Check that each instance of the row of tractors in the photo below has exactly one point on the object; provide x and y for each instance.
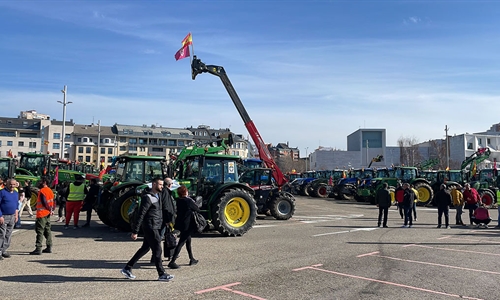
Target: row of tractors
(362, 184)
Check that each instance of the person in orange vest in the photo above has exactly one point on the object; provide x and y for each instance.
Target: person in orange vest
(44, 209)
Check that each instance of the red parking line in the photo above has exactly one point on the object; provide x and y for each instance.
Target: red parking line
(226, 287)
(386, 282)
(450, 249)
(437, 265)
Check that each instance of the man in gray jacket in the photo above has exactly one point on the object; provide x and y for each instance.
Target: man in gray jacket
(383, 200)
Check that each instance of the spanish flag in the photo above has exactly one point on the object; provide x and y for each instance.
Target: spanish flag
(188, 40)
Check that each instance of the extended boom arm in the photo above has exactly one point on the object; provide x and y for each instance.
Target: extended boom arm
(198, 67)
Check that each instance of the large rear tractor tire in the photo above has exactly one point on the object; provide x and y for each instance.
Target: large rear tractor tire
(234, 213)
(303, 191)
(283, 207)
(34, 197)
(487, 197)
(425, 193)
(103, 207)
(120, 206)
(321, 191)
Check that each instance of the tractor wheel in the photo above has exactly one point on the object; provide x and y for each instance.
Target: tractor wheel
(283, 207)
(119, 210)
(103, 208)
(487, 197)
(234, 213)
(34, 197)
(303, 190)
(425, 193)
(321, 191)
(392, 192)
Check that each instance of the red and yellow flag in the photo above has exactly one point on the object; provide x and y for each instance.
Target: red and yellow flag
(474, 169)
(182, 53)
(188, 40)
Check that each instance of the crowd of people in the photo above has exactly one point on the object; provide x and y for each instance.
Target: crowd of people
(406, 197)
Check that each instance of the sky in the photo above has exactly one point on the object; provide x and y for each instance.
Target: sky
(308, 72)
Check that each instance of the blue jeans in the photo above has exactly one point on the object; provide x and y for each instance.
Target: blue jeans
(498, 215)
(408, 218)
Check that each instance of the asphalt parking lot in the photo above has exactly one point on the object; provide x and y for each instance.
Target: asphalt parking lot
(329, 250)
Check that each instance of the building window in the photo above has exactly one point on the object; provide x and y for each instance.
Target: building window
(87, 158)
(66, 146)
(171, 143)
(180, 143)
(56, 146)
(479, 141)
(132, 148)
(6, 133)
(123, 139)
(80, 149)
(9, 143)
(142, 141)
(132, 141)
(110, 159)
(469, 146)
(57, 136)
(103, 150)
(67, 136)
(80, 158)
(488, 141)
(123, 148)
(20, 144)
(88, 150)
(157, 149)
(79, 140)
(32, 145)
(110, 150)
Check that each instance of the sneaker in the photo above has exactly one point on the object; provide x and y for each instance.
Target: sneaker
(76, 227)
(448, 227)
(36, 252)
(165, 277)
(31, 216)
(86, 225)
(193, 262)
(410, 226)
(404, 226)
(6, 254)
(439, 226)
(66, 227)
(59, 220)
(47, 250)
(378, 225)
(485, 226)
(173, 265)
(385, 226)
(127, 273)
(415, 220)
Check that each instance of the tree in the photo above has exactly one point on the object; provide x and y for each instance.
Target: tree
(409, 152)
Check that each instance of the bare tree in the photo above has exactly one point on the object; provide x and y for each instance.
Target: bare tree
(288, 164)
(409, 153)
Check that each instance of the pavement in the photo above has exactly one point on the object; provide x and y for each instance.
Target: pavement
(330, 249)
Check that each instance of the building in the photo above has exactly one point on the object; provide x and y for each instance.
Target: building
(20, 135)
(93, 144)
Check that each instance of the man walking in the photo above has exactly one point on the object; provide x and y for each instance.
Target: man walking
(408, 200)
(44, 209)
(383, 200)
(443, 201)
(150, 219)
(9, 204)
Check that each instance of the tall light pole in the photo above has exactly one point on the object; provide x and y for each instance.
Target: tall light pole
(307, 157)
(447, 149)
(64, 120)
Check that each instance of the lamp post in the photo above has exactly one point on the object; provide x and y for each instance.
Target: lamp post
(307, 157)
(64, 120)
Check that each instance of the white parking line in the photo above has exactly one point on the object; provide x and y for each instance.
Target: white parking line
(346, 231)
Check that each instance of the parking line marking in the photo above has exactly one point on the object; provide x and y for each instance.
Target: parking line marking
(315, 267)
(435, 264)
(367, 254)
(471, 240)
(345, 231)
(450, 249)
(226, 287)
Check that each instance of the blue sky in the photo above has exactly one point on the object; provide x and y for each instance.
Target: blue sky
(308, 72)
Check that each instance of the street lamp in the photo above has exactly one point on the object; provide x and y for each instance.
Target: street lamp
(64, 120)
(307, 158)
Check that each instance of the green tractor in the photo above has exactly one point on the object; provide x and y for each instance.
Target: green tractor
(322, 186)
(120, 191)
(487, 184)
(213, 181)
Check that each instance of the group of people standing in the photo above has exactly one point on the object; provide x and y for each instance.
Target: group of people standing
(406, 197)
(157, 212)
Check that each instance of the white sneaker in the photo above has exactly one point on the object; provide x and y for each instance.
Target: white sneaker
(166, 277)
(127, 273)
(404, 226)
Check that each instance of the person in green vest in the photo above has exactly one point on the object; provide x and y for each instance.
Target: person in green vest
(74, 203)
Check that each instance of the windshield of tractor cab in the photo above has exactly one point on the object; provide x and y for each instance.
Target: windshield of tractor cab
(382, 173)
(406, 174)
(486, 175)
(219, 171)
(139, 170)
(4, 169)
(34, 164)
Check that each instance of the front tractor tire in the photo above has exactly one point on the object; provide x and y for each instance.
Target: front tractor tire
(119, 210)
(103, 208)
(321, 191)
(283, 207)
(487, 197)
(425, 193)
(234, 213)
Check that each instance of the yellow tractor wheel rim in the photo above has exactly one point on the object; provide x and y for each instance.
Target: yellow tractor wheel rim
(237, 212)
(125, 208)
(423, 195)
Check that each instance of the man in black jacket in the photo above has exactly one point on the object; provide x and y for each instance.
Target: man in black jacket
(443, 200)
(383, 200)
(151, 220)
(408, 199)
